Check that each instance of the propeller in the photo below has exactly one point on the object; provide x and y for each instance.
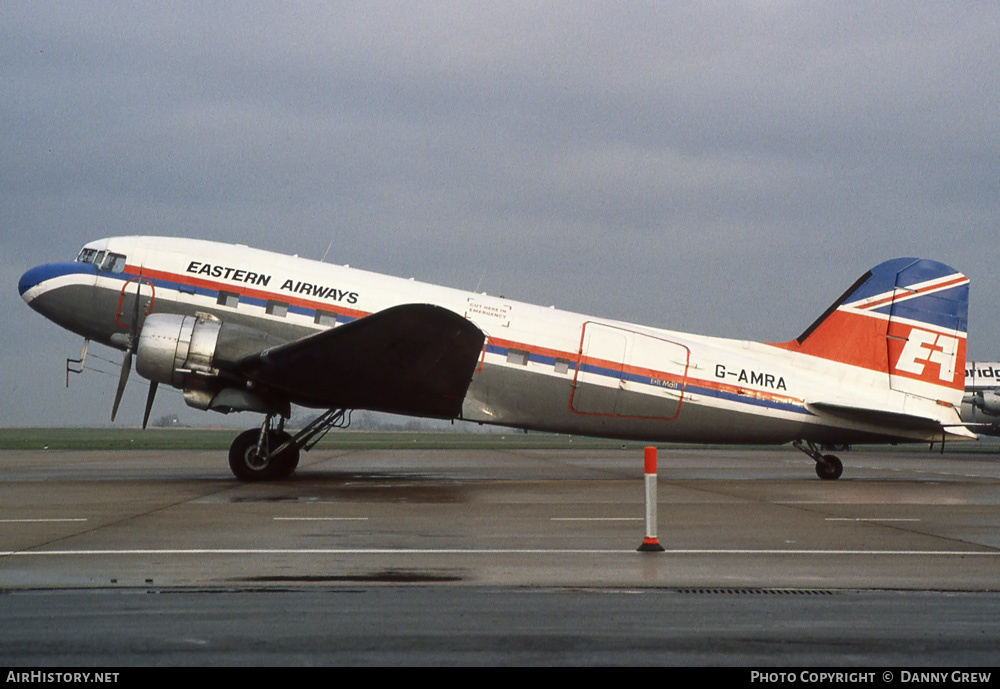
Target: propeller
(122, 380)
(149, 402)
(133, 343)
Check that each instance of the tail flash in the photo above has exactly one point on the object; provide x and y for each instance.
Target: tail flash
(906, 318)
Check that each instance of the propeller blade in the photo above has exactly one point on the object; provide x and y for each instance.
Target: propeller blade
(149, 403)
(134, 325)
(133, 341)
(122, 379)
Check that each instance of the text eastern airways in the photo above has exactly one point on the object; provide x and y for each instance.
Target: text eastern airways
(321, 291)
(227, 273)
(262, 279)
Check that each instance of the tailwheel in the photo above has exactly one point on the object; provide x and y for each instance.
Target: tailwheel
(253, 460)
(829, 468)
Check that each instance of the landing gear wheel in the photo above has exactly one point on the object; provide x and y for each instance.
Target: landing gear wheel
(830, 468)
(288, 460)
(248, 464)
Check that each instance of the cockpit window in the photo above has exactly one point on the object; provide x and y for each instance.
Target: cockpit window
(87, 256)
(114, 263)
(104, 260)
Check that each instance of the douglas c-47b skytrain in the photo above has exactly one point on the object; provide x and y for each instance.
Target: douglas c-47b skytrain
(238, 329)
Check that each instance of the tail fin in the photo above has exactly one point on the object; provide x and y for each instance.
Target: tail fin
(906, 318)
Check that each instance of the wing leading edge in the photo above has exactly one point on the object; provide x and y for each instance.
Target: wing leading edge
(415, 359)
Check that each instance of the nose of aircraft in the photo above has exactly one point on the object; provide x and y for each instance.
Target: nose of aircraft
(31, 278)
(39, 274)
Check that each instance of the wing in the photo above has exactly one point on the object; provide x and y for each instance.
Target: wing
(415, 359)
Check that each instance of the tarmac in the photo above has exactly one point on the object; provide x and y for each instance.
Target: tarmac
(466, 525)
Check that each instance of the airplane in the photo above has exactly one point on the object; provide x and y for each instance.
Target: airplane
(241, 329)
(981, 404)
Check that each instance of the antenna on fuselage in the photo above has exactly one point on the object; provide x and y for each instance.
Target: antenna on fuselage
(77, 365)
(327, 251)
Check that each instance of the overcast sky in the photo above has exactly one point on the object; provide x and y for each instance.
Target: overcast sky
(720, 168)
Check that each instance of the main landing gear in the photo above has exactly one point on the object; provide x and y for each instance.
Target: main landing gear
(270, 453)
(828, 467)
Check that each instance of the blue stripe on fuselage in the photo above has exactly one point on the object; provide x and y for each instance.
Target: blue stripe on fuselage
(690, 387)
(213, 294)
(48, 271)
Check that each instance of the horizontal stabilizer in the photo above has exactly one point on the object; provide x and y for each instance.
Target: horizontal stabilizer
(413, 359)
(882, 417)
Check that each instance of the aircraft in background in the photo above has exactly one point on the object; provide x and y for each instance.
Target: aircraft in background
(240, 329)
(981, 404)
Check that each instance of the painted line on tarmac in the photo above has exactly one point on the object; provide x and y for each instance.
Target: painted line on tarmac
(872, 519)
(482, 551)
(596, 519)
(320, 519)
(37, 521)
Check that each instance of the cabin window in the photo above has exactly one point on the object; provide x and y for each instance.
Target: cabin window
(562, 365)
(517, 356)
(326, 319)
(277, 308)
(230, 299)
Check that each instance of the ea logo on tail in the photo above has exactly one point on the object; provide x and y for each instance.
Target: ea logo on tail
(924, 347)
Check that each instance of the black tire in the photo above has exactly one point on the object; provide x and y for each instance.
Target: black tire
(288, 460)
(830, 468)
(247, 466)
(244, 462)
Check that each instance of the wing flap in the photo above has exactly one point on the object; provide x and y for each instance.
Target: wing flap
(415, 359)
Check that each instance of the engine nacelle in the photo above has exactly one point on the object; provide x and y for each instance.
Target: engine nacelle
(195, 354)
(171, 347)
(988, 401)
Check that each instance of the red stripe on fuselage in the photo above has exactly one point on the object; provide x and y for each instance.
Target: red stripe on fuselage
(242, 289)
(683, 382)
